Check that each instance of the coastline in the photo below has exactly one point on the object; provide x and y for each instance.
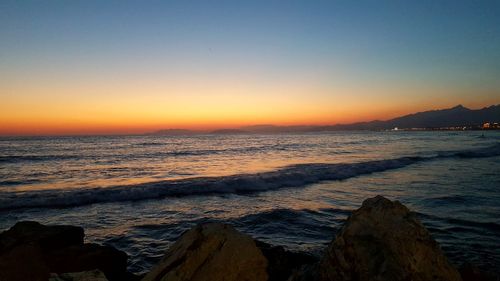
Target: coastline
(242, 257)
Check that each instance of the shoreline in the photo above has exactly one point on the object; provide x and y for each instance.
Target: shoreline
(279, 264)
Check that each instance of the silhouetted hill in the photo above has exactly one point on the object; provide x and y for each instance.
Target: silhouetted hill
(457, 116)
(451, 117)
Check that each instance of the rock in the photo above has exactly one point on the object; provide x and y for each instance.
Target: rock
(46, 237)
(93, 275)
(24, 262)
(382, 240)
(31, 251)
(470, 272)
(87, 257)
(211, 251)
(282, 263)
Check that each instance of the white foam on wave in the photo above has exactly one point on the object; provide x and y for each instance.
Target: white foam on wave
(291, 176)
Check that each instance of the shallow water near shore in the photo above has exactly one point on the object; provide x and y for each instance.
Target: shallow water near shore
(139, 193)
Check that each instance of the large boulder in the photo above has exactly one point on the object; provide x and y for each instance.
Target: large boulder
(470, 272)
(281, 262)
(383, 240)
(23, 263)
(46, 237)
(87, 257)
(31, 251)
(211, 251)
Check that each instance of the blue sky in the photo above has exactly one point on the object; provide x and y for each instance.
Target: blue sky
(451, 47)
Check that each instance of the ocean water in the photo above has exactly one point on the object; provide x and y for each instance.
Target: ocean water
(139, 193)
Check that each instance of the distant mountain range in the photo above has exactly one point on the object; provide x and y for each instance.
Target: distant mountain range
(458, 116)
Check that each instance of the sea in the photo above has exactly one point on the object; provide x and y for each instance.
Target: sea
(140, 193)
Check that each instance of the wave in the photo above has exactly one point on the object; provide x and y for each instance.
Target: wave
(298, 175)
(461, 224)
(250, 149)
(151, 144)
(34, 158)
(11, 159)
(17, 182)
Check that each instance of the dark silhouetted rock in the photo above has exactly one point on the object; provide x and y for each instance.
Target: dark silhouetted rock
(281, 263)
(31, 251)
(87, 257)
(23, 263)
(382, 240)
(46, 237)
(211, 251)
(471, 273)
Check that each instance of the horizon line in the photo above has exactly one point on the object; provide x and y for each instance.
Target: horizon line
(222, 128)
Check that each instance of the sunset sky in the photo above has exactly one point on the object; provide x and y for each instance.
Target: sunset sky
(99, 67)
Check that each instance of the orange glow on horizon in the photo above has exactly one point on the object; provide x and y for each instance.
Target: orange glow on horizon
(49, 109)
(50, 125)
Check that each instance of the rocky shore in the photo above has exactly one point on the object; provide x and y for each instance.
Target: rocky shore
(382, 240)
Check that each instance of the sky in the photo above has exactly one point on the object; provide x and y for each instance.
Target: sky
(105, 67)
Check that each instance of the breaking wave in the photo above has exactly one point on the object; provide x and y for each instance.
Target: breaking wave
(298, 175)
